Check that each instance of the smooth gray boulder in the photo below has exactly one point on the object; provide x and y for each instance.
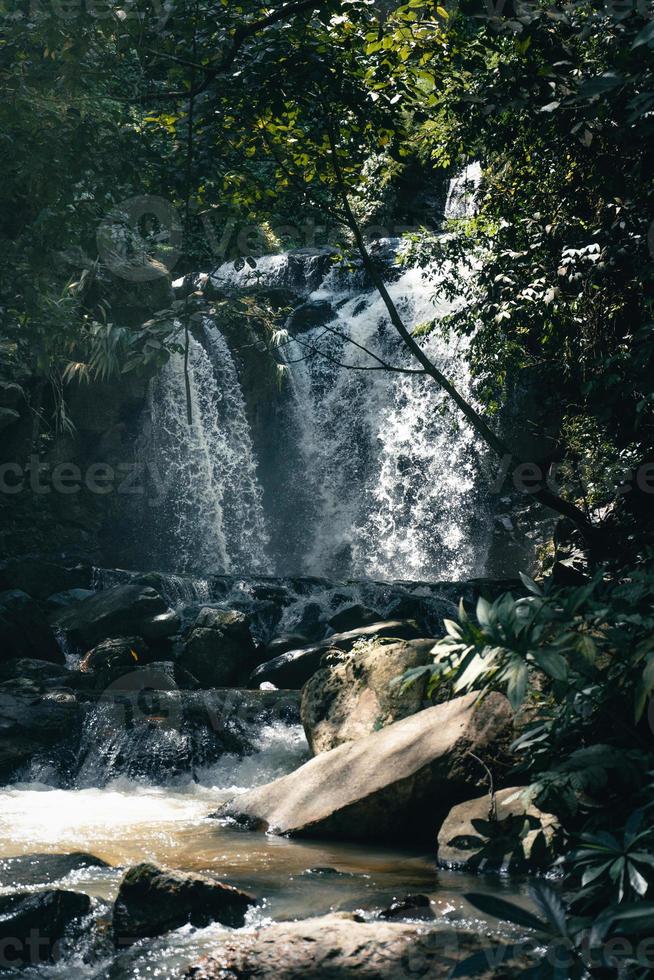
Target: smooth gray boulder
(354, 697)
(396, 784)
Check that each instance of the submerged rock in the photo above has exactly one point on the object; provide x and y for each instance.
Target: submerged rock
(340, 946)
(396, 784)
(512, 835)
(24, 631)
(152, 901)
(125, 610)
(353, 697)
(219, 650)
(32, 926)
(38, 869)
(409, 907)
(294, 668)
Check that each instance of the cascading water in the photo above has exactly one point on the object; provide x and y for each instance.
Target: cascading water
(392, 472)
(371, 473)
(205, 502)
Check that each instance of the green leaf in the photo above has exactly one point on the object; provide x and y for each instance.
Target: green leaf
(636, 880)
(501, 909)
(483, 612)
(551, 906)
(600, 84)
(478, 964)
(645, 36)
(518, 677)
(530, 585)
(552, 663)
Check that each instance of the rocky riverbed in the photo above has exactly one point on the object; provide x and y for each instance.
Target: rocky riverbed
(201, 771)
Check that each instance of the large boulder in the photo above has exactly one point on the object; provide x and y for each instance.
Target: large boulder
(396, 784)
(353, 697)
(503, 834)
(152, 901)
(125, 610)
(219, 650)
(24, 631)
(33, 925)
(294, 668)
(340, 946)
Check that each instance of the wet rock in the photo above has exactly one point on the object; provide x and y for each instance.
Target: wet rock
(284, 643)
(510, 835)
(219, 650)
(152, 901)
(8, 416)
(427, 611)
(11, 394)
(410, 907)
(125, 652)
(24, 631)
(398, 783)
(326, 873)
(353, 617)
(41, 579)
(294, 668)
(125, 610)
(312, 622)
(32, 721)
(40, 869)
(67, 598)
(32, 926)
(313, 313)
(354, 696)
(339, 946)
(40, 671)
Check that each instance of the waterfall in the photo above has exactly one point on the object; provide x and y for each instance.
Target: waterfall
(365, 472)
(206, 508)
(393, 473)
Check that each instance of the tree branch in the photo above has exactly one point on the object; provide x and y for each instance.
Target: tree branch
(241, 35)
(542, 493)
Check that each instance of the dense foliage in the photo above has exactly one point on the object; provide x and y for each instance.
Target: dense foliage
(239, 117)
